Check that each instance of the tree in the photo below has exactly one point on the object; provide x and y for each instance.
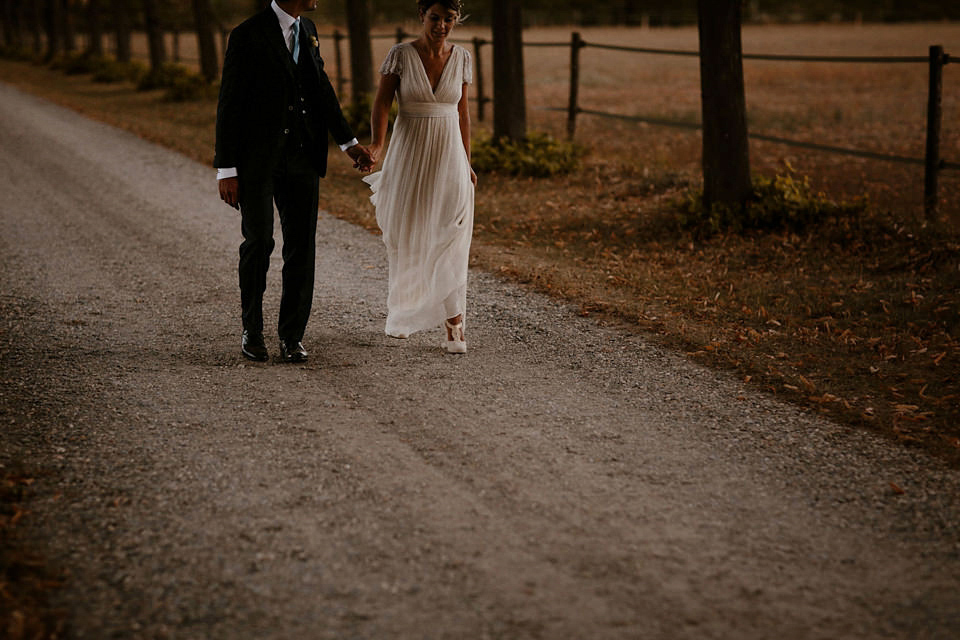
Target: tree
(65, 26)
(122, 29)
(206, 40)
(361, 56)
(94, 18)
(52, 26)
(11, 35)
(509, 99)
(158, 50)
(726, 159)
(35, 16)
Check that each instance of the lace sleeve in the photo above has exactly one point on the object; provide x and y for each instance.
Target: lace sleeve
(392, 64)
(467, 67)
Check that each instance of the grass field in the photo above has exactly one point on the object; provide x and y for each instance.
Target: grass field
(857, 317)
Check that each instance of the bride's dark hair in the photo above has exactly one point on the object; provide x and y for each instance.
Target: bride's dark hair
(450, 5)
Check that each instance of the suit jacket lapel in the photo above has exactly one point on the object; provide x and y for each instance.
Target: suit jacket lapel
(308, 35)
(274, 35)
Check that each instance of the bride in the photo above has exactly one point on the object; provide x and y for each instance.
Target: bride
(424, 192)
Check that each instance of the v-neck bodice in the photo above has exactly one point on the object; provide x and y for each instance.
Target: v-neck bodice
(423, 65)
(404, 61)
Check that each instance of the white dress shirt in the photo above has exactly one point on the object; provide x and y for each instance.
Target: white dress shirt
(287, 24)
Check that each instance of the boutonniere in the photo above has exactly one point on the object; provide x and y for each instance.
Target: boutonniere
(314, 42)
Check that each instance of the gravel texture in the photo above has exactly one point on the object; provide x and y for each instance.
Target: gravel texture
(562, 480)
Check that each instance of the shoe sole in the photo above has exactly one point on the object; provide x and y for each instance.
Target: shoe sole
(254, 358)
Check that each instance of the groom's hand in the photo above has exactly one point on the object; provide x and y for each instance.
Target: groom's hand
(362, 158)
(230, 191)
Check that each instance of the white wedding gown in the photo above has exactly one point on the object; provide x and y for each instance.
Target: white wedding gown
(424, 196)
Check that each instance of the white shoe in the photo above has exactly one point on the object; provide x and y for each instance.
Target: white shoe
(459, 342)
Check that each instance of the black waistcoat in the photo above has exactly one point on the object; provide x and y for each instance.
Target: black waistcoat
(298, 122)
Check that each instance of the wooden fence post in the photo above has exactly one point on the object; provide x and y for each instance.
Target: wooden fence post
(934, 118)
(478, 63)
(400, 35)
(338, 58)
(576, 43)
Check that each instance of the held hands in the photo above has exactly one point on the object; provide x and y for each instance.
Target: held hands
(229, 188)
(363, 158)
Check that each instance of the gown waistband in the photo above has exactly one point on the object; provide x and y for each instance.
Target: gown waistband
(428, 110)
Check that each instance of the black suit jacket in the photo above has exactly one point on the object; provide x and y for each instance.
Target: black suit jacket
(258, 99)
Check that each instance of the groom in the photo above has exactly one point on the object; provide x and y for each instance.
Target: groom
(275, 111)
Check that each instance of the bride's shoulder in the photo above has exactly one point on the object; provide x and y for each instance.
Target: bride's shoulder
(466, 62)
(462, 51)
(400, 48)
(393, 62)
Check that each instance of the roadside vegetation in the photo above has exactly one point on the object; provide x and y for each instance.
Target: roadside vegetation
(26, 582)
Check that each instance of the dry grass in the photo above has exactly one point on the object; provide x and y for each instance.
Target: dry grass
(858, 318)
(26, 582)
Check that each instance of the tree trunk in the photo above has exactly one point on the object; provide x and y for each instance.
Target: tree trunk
(51, 26)
(94, 28)
(509, 99)
(726, 158)
(361, 56)
(158, 50)
(65, 27)
(206, 40)
(18, 22)
(122, 28)
(6, 17)
(35, 13)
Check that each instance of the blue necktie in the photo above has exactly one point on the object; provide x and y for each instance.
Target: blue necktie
(296, 40)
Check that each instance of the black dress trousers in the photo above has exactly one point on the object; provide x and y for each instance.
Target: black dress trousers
(294, 187)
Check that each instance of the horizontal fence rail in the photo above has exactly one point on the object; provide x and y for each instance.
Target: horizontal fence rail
(696, 126)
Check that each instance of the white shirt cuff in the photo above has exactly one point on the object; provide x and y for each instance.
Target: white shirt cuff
(346, 146)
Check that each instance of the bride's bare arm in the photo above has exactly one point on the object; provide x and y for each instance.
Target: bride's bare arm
(381, 111)
(463, 107)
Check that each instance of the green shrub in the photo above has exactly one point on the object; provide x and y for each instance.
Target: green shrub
(191, 86)
(538, 156)
(110, 70)
(75, 63)
(165, 77)
(784, 202)
(22, 54)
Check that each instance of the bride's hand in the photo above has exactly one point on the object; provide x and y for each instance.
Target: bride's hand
(363, 158)
(473, 176)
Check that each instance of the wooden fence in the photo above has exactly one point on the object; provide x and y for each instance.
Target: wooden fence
(936, 60)
(933, 163)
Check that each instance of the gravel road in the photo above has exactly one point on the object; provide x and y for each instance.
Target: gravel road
(562, 480)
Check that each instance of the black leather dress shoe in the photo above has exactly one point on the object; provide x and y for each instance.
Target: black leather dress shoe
(253, 347)
(292, 351)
